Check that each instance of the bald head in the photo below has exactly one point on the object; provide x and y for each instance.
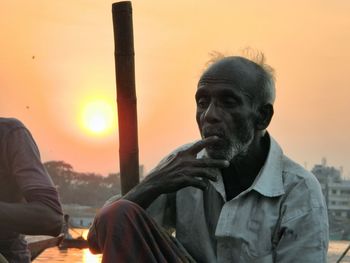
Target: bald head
(254, 80)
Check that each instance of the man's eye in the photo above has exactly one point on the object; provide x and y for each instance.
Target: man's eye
(203, 103)
(229, 102)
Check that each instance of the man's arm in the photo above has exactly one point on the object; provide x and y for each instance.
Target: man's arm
(41, 214)
(302, 234)
(304, 238)
(30, 219)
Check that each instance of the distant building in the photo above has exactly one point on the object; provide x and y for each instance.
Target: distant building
(335, 190)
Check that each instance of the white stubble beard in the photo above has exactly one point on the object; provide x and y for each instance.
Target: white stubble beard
(237, 148)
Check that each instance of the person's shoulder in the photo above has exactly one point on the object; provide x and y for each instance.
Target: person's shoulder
(296, 171)
(10, 123)
(172, 154)
(183, 147)
(292, 172)
(299, 181)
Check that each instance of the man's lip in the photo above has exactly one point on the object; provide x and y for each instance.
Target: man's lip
(211, 134)
(219, 136)
(216, 145)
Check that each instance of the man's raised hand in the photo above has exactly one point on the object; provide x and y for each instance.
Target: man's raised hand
(180, 170)
(184, 169)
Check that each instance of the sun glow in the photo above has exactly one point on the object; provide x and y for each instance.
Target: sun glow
(97, 117)
(90, 258)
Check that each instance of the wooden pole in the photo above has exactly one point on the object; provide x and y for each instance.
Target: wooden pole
(126, 94)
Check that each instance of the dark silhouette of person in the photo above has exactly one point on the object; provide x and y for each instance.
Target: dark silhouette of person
(29, 202)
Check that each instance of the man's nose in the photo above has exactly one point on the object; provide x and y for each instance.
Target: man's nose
(212, 114)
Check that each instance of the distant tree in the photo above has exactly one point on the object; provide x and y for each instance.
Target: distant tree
(59, 166)
(82, 188)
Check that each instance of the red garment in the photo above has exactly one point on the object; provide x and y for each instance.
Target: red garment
(124, 232)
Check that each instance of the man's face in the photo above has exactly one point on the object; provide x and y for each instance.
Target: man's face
(224, 110)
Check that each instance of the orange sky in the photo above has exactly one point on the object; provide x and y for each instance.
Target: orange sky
(307, 42)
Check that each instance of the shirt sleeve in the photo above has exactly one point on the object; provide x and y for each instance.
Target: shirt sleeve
(163, 211)
(303, 229)
(30, 174)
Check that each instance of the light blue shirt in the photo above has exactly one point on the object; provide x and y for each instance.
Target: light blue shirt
(281, 217)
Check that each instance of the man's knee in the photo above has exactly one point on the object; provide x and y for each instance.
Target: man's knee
(118, 212)
(108, 221)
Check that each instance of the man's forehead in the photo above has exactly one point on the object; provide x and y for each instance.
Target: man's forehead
(232, 71)
(220, 88)
(217, 85)
(212, 81)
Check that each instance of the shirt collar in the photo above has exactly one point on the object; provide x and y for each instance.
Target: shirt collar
(269, 180)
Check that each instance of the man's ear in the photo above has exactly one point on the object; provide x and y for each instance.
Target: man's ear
(264, 116)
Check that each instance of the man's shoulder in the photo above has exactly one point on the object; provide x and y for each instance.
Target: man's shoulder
(299, 181)
(295, 170)
(292, 167)
(172, 154)
(181, 148)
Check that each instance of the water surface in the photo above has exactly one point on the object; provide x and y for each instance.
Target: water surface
(54, 255)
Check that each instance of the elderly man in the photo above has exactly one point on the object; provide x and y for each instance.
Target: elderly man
(29, 201)
(231, 197)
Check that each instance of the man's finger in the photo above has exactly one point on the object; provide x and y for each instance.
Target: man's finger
(211, 174)
(212, 163)
(199, 184)
(195, 182)
(200, 145)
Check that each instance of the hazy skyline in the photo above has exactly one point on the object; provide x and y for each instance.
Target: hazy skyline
(57, 56)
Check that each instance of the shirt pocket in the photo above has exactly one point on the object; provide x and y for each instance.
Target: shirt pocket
(259, 239)
(247, 258)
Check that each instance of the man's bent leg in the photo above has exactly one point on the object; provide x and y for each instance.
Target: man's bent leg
(124, 232)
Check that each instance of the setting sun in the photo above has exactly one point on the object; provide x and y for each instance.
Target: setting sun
(97, 117)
